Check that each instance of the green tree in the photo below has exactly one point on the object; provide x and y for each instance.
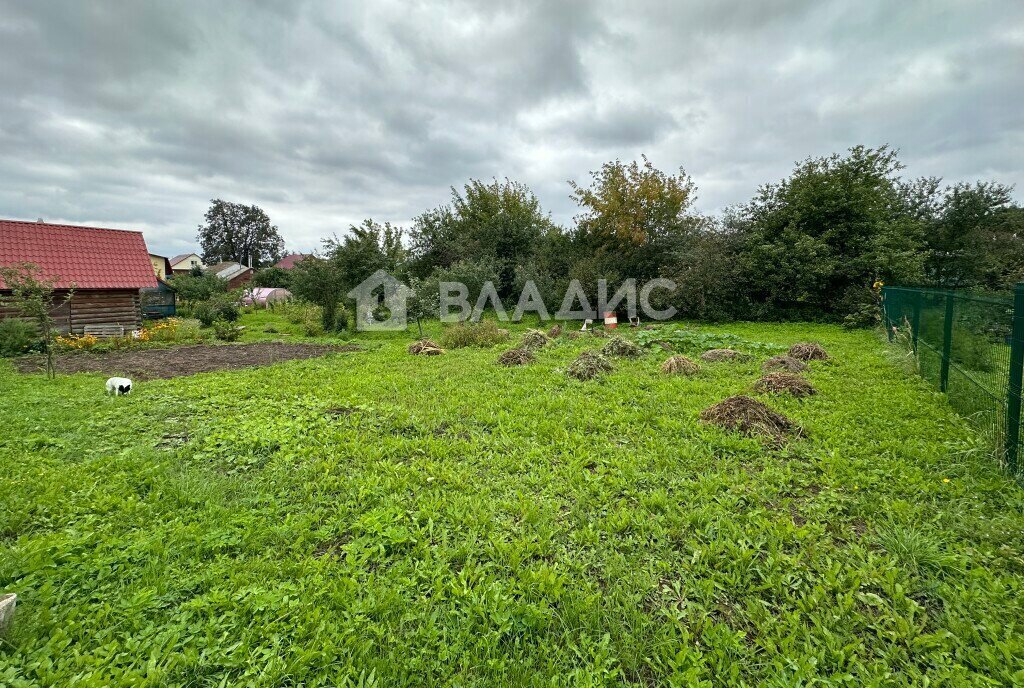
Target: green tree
(325, 280)
(633, 216)
(241, 233)
(272, 277)
(192, 288)
(814, 243)
(964, 224)
(500, 223)
(34, 297)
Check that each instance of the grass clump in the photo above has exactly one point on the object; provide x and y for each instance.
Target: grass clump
(784, 363)
(715, 355)
(752, 418)
(785, 383)
(621, 348)
(516, 357)
(589, 365)
(679, 365)
(555, 332)
(533, 340)
(425, 347)
(483, 334)
(808, 351)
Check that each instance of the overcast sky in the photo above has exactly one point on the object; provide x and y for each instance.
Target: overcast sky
(135, 114)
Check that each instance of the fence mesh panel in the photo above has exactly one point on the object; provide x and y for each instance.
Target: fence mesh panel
(964, 345)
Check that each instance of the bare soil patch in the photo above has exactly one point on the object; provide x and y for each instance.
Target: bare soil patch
(150, 364)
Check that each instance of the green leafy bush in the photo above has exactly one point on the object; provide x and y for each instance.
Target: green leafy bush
(226, 331)
(17, 337)
(313, 327)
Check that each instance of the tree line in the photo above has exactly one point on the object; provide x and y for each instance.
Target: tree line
(809, 247)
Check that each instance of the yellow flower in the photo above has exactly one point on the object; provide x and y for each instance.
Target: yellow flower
(945, 480)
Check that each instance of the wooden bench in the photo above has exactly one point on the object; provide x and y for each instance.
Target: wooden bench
(103, 331)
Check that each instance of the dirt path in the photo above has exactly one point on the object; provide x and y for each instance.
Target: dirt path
(147, 364)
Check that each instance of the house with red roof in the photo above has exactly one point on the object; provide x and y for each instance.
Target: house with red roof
(289, 261)
(106, 268)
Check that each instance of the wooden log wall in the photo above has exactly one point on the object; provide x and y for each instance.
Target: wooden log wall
(94, 307)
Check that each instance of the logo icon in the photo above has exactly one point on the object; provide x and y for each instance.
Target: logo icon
(380, 303)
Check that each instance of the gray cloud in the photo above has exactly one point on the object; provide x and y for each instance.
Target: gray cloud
(136, 114)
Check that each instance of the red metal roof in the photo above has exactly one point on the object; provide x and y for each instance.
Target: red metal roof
(289, 261)
(86, 257)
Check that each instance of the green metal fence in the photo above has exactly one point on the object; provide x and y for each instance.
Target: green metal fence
(970, 346)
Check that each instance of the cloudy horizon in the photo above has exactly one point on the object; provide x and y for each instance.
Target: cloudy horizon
(135, 115)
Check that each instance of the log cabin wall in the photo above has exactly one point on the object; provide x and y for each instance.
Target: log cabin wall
(93, 307)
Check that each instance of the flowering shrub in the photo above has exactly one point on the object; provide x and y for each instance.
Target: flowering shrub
(75, 342)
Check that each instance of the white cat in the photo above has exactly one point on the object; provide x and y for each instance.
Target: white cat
(119, 385)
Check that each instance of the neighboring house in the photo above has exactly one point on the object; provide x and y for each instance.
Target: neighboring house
(161, 266)
(235, 274)
(185, 263)
(289, 261)
(105, 267)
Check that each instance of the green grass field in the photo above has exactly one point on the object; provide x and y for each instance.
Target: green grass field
(454, 522)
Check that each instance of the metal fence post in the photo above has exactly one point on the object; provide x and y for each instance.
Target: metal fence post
(915, 324)
(947, 343)
(1016, 375)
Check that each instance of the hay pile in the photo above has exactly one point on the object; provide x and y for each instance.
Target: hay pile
(785, 383)
(516, 357)
(621, 348)
(679, 365)
(555, 332)
(597, 332)
(573, 334)
(425, 347)
(752, 418)
(533, 340)
(588, 365)
(784, 363)
(808, 351)
(714, 355)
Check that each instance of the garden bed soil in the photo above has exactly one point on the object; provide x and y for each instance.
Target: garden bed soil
(149, 364)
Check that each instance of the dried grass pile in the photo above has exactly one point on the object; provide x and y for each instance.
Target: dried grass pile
(752, 418)
(425, 347)
(516, 357)
(679, 365)
(555, 332)
(621, 348)
(784, 363)
(573, 334)
(533, 340)
(589, 365)
(808, 351)
(785, 383)
(714, 355)
(597, 332)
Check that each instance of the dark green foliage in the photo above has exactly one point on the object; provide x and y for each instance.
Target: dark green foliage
(272, 277)
(17, 337)
(226, 331)
(223, 307)
(197, 286)
(240, 233)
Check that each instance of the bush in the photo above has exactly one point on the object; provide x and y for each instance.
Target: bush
(226, 331)
(341, 319)
(174, 330)
(482, 334)
(219, 307)
(17, 337)
(313, 327)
